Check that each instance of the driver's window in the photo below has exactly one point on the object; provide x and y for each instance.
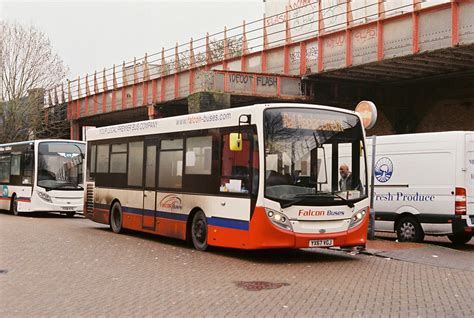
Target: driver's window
(236, 165)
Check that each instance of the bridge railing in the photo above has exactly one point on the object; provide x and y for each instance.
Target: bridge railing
(247, 47)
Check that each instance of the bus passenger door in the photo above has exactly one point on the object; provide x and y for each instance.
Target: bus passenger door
(149, 193)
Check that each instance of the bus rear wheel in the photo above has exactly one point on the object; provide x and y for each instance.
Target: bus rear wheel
(199, 231)
(14, 206)
(460, 238)
(116, 218)
(409, 230)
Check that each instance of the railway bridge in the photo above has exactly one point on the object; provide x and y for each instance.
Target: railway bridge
(413, 58)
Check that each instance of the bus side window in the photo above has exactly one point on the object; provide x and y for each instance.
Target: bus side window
(27, 168)
(102, 159)
(15, 165)
(92, 158)
(135, 163)
(199, 155)
(5, 168)
(171, 164)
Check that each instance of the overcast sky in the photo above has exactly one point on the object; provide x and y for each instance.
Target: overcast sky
(91, 35)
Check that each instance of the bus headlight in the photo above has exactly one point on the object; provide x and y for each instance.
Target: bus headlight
(357, 217)
(44, 196)
(279, 219)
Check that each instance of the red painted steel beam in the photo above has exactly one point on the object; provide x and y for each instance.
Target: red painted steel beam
(154, 89)
(348, 34)
(320, 38)
(145, 93)
(114, 99)
(416, 27)
(162, 93)
(380, 17)
(134, 95)
(263, 55)
(124, 96)
(302, 58)
(455, 23)
(94, 102)
(104, 102)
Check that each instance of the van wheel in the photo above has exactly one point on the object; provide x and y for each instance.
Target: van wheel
(116, 218)
(460, 238)
(14, 206)
(409, 230)
(199, 231)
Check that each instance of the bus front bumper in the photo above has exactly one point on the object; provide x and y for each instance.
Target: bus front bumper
(264, 234)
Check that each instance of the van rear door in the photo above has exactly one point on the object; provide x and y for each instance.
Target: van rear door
(470, 174)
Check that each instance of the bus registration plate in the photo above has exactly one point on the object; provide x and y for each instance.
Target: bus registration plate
(67, 208)
(321, 243)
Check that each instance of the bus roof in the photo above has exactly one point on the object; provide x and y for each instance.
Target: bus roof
(205, 120)
(39, 140)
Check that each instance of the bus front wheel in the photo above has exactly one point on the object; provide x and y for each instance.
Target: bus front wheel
(14, 206)
(199, 231)
(116, 217)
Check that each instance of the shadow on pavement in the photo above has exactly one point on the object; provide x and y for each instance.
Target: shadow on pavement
(268, 256)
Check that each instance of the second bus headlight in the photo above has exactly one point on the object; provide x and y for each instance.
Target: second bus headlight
(44, 196)
(279, 219)
(357, 217)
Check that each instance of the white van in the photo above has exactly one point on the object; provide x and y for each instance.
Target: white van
(424, 184)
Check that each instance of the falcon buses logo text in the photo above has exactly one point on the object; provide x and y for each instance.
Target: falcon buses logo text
(171, 202)
(319, 213)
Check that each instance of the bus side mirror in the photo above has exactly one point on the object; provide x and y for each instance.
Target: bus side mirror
(235, 142)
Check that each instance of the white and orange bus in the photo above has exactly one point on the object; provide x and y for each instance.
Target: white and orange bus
(256, 177)
(42, 176)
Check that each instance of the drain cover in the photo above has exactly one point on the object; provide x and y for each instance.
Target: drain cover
(259, 285)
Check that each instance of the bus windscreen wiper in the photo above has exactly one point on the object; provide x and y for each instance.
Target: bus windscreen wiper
(69, 184)
(302, 197)
(334, 194)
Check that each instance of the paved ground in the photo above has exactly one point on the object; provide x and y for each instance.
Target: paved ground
(54, 266)
(430, 253)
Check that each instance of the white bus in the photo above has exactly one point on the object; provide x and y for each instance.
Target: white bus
(255, 177)
(424, 184)
(42, 176)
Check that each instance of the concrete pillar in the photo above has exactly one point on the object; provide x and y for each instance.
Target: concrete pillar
(207, 101)
(152, 112)
(75, 130)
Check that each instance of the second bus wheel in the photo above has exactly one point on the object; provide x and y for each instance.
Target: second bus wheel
(409, 230)
(14, 206)
(199, 231)
(116, 218)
